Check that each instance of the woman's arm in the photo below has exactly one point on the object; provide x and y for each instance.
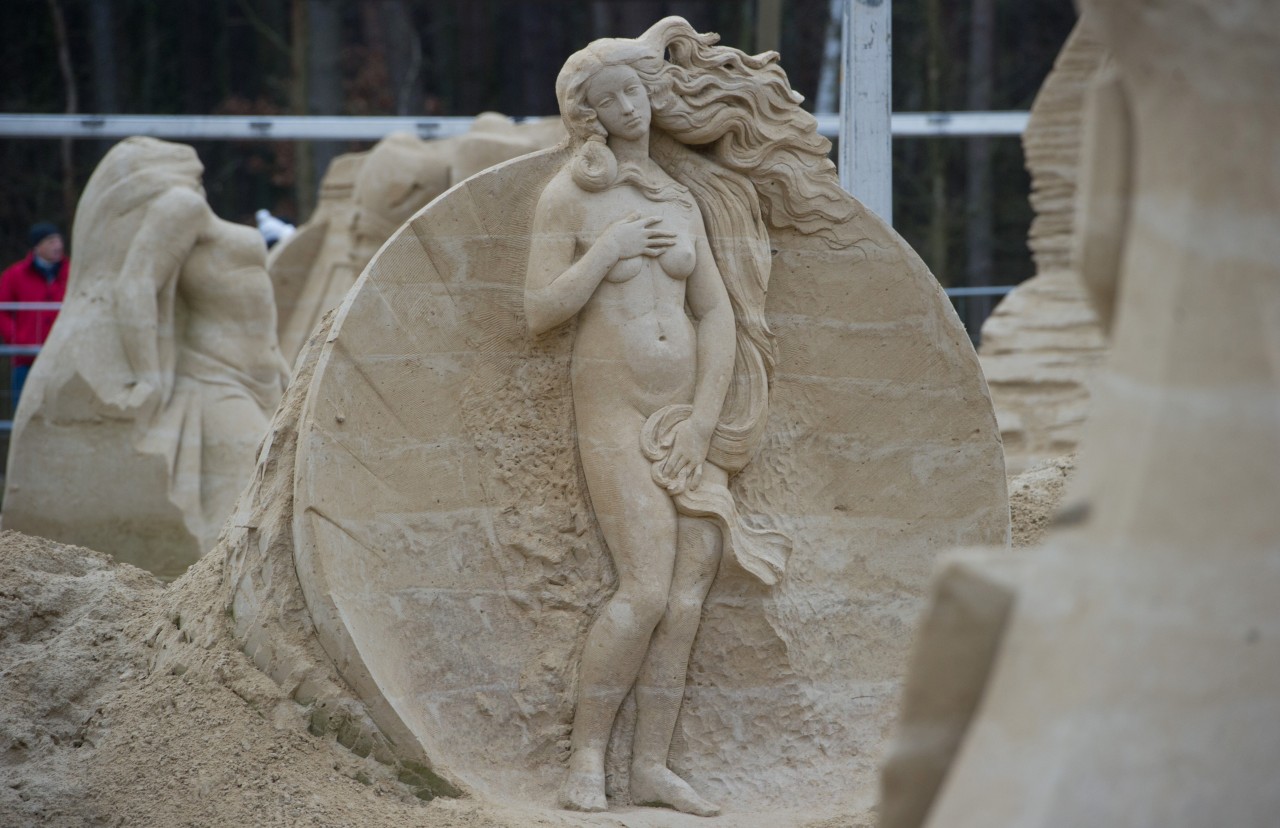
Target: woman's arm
(557, 287)
(709, 301)
(169, 230)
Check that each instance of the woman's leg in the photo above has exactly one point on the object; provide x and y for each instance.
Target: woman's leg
(660, 686)
(638, 522)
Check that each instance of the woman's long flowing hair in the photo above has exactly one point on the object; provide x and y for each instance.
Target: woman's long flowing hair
(727, 126)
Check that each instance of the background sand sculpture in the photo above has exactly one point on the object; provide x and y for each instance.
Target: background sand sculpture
(1125, 673)
(366, 196)
(421, 505)
(1042, 344)
(141, 417)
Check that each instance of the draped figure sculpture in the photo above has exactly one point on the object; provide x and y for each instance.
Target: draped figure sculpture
(654, 238)
(158, 380)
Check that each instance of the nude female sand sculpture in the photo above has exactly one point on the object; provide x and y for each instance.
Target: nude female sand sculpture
(660, 215)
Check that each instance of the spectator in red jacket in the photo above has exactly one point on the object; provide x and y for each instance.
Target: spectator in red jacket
(40, 277)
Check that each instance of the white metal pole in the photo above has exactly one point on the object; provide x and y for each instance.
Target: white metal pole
(865, 156)
(355, 128)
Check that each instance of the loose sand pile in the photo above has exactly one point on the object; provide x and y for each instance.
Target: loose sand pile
(1034, 497)
(125, 702)
(118, 707)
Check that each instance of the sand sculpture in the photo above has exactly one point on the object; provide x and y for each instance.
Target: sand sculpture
(1042, 344)
(1125, 674)
(366, 196)
(663, 406)
(144, 411)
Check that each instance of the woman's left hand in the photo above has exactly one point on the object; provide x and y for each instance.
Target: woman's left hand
(689, 446)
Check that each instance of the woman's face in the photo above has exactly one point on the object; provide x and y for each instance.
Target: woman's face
(621, 102)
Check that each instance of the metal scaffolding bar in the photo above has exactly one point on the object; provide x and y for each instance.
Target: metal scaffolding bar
(988, 290)
(228, 127)
(325, 128)
(29, 306)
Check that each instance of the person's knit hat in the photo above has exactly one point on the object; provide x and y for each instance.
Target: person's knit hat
(41, 231)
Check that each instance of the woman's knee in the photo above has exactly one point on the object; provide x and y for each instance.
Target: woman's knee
(684, 610)
(644, 603)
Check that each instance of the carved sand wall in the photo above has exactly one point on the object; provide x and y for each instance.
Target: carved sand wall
(1125, 673)
(141, 418)
(1042, 343)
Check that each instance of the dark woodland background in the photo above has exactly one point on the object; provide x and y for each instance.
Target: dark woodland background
(962, 202)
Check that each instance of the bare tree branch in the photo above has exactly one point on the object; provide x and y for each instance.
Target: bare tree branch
(73, 105)
(261, 27)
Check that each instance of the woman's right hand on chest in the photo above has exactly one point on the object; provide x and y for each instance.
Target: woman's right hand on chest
(636, 236)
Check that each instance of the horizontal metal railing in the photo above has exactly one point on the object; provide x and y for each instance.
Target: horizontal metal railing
(984, 290)
(23, 350)
(351, 128)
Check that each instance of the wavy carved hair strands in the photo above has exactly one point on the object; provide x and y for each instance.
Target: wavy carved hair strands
(740, 245)
(742, 110)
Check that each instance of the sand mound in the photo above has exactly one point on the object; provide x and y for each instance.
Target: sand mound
(1034, 498)
(63, 651)
(125, 702)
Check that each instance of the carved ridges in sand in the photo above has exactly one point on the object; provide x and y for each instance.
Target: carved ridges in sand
(1043, 342)
(1040, 347)
(1051, 145)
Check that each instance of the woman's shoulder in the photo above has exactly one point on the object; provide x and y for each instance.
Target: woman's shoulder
(563, 189)
(562, 197)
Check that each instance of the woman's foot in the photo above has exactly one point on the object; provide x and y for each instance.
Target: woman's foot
(583, 790)
(657, 785)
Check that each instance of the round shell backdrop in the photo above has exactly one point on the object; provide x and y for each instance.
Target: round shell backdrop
(450, 559)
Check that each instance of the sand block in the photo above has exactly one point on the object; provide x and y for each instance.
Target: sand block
(1138, 653)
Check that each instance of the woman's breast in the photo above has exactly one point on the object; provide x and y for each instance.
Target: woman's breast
(625, 270)
(679, 260)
